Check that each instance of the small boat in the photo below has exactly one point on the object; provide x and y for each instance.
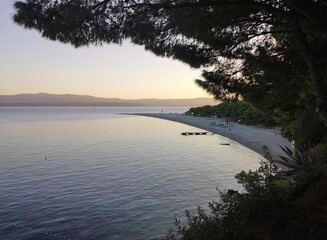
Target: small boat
(224, 144)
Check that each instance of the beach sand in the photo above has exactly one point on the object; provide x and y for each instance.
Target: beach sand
(251, 137)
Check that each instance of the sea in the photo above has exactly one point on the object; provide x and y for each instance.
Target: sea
(86, 173)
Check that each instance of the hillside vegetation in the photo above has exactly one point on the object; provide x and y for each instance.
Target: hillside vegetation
(237, 111)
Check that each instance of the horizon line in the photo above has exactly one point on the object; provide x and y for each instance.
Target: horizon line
(87, 95)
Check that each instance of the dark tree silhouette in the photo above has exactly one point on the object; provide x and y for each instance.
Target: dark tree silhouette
(269, 52)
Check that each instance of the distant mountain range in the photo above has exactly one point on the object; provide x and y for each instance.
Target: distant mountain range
(45, 99)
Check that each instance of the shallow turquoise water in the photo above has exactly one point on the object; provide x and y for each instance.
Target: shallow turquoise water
(106, 175)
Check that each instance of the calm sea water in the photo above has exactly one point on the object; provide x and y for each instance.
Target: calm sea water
(88, 173)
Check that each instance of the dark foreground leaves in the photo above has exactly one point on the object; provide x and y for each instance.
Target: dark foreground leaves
(270, 208)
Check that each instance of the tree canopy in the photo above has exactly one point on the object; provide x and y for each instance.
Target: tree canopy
(271, 53)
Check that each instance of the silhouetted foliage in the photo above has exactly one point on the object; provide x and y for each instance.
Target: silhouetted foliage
(273, 54)
(231, 215)
(239, 111)
(265, 191)
(268, 52)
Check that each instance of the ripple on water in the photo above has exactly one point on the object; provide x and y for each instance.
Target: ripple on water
(106, 176)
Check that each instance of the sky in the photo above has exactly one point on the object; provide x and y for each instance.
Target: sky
(32, 64)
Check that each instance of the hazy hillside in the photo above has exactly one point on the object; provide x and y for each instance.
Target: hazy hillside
(44, 99)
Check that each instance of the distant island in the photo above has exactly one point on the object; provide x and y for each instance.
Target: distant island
(45, 99)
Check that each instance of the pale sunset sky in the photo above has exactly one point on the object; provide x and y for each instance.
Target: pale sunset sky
(32, 64)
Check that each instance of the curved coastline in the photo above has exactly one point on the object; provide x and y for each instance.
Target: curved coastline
(251, 137)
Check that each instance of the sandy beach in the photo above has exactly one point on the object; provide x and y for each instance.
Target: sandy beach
(251, 137)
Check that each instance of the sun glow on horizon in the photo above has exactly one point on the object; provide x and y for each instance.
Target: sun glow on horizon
(32, 64)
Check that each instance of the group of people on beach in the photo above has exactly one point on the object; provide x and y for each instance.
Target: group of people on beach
(226, 124)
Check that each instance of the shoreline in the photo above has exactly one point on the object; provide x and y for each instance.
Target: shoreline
(251, 137)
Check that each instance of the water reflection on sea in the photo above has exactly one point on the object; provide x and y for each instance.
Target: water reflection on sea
(88, 173)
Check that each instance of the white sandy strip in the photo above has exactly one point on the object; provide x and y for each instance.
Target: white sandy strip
(251, 137)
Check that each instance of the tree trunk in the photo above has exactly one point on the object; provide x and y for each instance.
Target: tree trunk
(315, 76)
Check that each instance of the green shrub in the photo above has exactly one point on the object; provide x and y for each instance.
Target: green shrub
(231, 214)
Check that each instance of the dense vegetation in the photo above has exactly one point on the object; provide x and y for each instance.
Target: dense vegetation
(271, 53)
(267, 209)
(238, 111)
(300, 124)
(275, 204)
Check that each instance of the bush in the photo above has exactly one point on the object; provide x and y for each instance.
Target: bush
(264, 191)
(230, 216)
